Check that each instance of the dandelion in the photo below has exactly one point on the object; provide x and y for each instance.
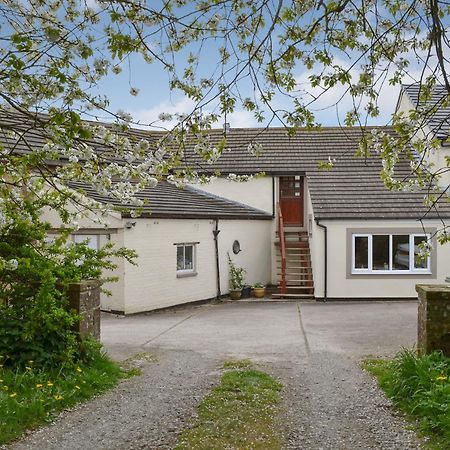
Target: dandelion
(5, 388)
(58, 397)
(77, 387)
(1, 365)
(39, 386)
(441, 378)
(49, 384)
(28, 368)
(79, 370)
(13, 395)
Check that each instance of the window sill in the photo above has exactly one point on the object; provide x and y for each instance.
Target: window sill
(391, 272)
(186, 274)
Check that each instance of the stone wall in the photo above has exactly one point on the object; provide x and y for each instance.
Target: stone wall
(434, 318)
(84, 298)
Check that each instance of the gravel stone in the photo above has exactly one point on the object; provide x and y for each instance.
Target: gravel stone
(143, 412)
(329, 402)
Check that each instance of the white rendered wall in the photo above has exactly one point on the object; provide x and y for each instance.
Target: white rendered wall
(316, 247)
(365, 286)
(154, 284)
(254, 237)
(256, 192)
(437, 158)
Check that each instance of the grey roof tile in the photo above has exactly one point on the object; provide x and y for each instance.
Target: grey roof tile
(168, 201)
(437, 108)
(352, 189)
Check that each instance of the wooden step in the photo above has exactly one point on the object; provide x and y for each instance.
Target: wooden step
(300, 288)
(278, 295)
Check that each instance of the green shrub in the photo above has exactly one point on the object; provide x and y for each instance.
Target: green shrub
(420, 386)
(35, 271)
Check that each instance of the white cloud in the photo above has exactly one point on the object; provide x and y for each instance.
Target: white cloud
(184, 105)
(151, 115)
(331, 106)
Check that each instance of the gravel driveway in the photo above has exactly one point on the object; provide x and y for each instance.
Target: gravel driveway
(329, 403)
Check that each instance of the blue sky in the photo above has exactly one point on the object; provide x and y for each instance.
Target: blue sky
(155, 98)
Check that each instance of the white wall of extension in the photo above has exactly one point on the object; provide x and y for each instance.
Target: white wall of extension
(154, 283)
(341, 285)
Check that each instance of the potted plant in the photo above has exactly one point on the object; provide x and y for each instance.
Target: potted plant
(259, 290)
(236, 279)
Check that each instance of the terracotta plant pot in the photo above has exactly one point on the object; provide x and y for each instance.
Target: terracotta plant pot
(259, 292)
(235, 294)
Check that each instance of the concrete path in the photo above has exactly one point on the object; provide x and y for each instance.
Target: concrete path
(314, 349)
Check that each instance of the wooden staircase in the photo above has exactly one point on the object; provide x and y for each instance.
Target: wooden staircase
(294, 269)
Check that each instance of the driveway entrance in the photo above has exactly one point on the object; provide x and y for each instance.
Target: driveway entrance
(268, 332)
(329, 403)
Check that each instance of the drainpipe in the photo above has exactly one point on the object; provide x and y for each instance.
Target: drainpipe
(216, 232)
(325, 230)
(273, 197)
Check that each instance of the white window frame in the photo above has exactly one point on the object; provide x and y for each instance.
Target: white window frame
(187, 272)
(390, 270)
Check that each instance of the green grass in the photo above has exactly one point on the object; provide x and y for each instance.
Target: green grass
(420, 387)
(240, 413)
(32, 397)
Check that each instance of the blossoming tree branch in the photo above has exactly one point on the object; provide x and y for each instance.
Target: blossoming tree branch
(222, 55)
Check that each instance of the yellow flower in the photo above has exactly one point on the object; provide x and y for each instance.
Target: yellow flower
(58, 397)
(49, 384)
(28, 368)
(1, 365)
(1, 381)
(79, 370)
(39, 385)
(5, 388)
(441, 378)
(77, 387)
(12, 395)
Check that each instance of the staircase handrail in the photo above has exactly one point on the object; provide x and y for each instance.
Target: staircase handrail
(282, 250)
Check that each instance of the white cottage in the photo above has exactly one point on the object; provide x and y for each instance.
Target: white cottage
(309, 233)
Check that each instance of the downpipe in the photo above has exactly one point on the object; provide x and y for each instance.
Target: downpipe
(216, 232)
(325, 230)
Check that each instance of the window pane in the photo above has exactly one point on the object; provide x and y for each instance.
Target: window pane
(189, 257)
(419, 262)
(180, 257)
(401, 252)
(361, 252)
(380, 252)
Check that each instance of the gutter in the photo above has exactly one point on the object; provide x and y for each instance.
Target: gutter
(216, 232)
(325, 230)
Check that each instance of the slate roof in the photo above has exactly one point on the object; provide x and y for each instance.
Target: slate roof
(353, 189)
(438, 109)
(168, 201)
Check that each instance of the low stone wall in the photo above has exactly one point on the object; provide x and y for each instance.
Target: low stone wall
(84, 298)
(434, 318)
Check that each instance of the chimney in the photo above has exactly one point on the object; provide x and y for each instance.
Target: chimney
(226, 127)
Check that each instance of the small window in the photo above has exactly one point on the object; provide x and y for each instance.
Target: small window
(185, 258)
